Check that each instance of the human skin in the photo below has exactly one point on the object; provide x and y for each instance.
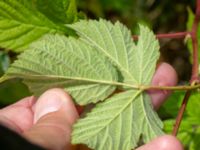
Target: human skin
(47, 121)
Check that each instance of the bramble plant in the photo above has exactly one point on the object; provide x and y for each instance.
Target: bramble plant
(92, 59)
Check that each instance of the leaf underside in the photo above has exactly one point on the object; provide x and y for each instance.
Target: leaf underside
(136, 62)
(57, 61)
(90, 68)
(116, 43)
(21, 24)
(118, 123)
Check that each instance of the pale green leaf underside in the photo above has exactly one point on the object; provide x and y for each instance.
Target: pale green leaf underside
(57, 61)
(135, 61)
(118, 123)
(21, 24)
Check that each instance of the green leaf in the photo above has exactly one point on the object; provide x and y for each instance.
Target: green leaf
(60, 11)
(190, 124)
(21, 24)
(172, 104)
(193, 104)
(57, 61)
(115, 42)
(187, 131)
(195, 144)
(118, 123)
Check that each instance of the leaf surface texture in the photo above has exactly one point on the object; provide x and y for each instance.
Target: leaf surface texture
(118, 123)
(57, 61)
(116, 43)
(21, 24)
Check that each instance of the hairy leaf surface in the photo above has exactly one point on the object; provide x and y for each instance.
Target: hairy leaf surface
(21, 24)
(118, 123)
(57, 61)
(115, 42)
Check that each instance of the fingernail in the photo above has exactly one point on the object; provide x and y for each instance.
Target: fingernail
(47, 103)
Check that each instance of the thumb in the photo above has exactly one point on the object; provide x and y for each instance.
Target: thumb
(54, 116)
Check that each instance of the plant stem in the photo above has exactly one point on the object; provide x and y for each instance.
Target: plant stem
(180, 113)
(183, 87)
(195, 43)
(169, 35)
(112, 83)
(194, 77)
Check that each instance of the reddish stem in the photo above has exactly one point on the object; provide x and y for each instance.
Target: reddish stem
(173, 35)
(181, 112)
(194, 76)
(169, 35)
(195, 43)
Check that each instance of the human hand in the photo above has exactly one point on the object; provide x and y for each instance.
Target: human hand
(48, 121)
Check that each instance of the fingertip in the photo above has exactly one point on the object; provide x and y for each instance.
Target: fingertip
(55, 114)
(165, 75)
(54, 100)
(166, 142)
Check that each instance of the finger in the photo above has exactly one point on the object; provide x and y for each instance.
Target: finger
(166, 142)
(165, 75)
(18, 116)
(54, 115)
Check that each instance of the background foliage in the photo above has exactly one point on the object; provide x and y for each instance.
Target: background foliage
(162, 17)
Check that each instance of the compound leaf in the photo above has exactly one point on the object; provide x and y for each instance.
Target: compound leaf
(21, 24)
(119, 122)
(57, 61)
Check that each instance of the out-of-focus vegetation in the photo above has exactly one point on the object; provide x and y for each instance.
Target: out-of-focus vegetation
(13, 90)
(162, 16)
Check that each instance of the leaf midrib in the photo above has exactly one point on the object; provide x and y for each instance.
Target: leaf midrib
(118, 64)
(25, 76)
